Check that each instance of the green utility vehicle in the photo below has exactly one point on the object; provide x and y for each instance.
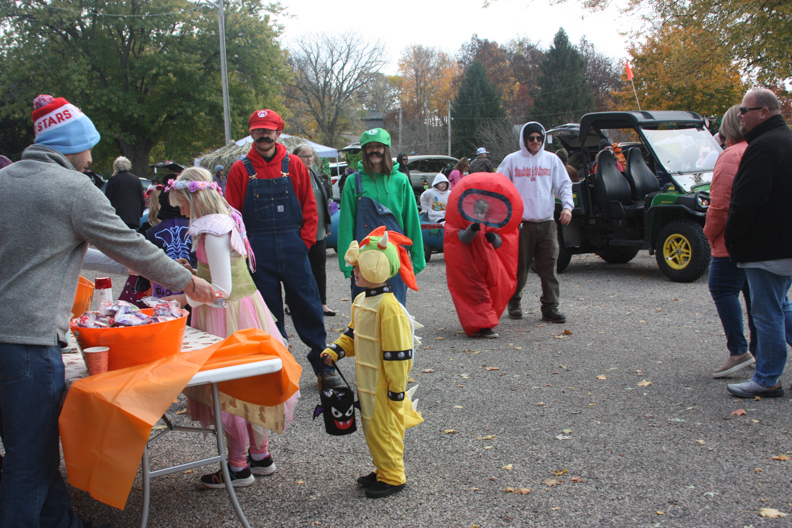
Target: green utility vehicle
(652, 193)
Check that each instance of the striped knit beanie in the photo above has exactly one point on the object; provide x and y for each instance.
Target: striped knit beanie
(60, 125)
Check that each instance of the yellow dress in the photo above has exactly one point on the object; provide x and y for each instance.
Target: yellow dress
(380, 337)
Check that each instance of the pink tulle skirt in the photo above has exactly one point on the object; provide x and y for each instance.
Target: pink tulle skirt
(248, 312)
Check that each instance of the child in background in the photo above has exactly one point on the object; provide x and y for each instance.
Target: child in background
(380, 337)
(458, 172)
(435, 200)
(218, 232)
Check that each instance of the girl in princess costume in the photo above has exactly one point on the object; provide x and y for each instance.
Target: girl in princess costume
(218, 232)
(381, 338)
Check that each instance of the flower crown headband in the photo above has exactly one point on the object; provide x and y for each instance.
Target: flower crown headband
(192, 186)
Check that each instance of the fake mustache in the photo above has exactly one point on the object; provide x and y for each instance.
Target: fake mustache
(265, 139)
(375, 153)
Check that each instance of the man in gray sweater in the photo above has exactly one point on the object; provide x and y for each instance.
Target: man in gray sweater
(50, 213)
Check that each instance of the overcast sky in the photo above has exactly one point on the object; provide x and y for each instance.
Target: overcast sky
(447, 24)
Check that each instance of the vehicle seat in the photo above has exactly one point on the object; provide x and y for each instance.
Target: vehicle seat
(610, 185)
(641, 179)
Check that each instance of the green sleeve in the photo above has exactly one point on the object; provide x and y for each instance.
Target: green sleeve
(346, 223)
(412, 228)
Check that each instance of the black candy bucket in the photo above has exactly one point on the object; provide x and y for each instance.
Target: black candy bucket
(337, 406)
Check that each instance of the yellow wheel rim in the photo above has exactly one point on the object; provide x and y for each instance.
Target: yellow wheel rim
(677, 251)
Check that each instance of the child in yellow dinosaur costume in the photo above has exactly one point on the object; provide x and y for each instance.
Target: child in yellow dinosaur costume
(380, 337)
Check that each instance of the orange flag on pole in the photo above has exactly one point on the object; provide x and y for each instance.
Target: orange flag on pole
(629, 71)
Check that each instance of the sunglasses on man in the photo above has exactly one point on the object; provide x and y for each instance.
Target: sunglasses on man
(744, 110)
(535, 139)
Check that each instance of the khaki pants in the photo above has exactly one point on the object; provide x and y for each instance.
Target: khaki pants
(538, 243)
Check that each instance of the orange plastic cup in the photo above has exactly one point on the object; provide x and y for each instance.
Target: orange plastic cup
(96, 359)
(135, 345)
(83, 297)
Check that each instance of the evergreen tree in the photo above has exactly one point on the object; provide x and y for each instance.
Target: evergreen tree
(477, 104)
(564, 95)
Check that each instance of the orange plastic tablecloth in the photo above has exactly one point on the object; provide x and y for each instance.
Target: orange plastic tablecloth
(107, 419)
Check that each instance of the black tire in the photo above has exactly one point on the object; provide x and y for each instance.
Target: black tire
(427, 253)
(618, 255)
(682, 251)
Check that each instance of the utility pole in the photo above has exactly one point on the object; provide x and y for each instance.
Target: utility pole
(224, 73)
(449, 128)
(400, 128)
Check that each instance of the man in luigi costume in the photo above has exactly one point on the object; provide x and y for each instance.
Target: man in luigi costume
(380, 338)
(379, 195)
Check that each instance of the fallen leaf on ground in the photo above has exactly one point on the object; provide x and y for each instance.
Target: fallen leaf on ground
(440, 338)
(522, 491)
(700, 442)
(567, 431)
(493, 368)
(577, 479)
(509, 490)
(771, 513)
(555, 509)
(508, 467)
(345, 299)
(458, 407)
(550, 482)
(540, 404)
(488, 437)
(427, 371)
(563, 437)
(188, 471)
(781, 457)
(300, 482)
(602, 377)
(559, 473)
(644, 383)
(449, 431)
(183, 411)
(159, 427)
(739, 412)
(660, 512)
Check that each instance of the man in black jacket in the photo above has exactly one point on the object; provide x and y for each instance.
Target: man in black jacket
(125, 193)
(759, 236)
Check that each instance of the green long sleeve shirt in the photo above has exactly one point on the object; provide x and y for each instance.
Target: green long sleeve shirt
(394, 192)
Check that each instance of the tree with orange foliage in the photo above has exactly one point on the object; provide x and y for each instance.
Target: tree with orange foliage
(680, 68)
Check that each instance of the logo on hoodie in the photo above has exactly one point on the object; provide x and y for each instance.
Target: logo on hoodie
(532, 173)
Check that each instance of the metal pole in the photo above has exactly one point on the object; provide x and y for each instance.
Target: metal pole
(224, 72)
(449, 128)
(636, 95)
(400, 128)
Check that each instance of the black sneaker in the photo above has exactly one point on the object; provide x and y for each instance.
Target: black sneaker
(331, 380)
(515, 312)
(367, 481)
(554, 316)
(382, 489)
(487, 333)
(261, 467)
(238, 478)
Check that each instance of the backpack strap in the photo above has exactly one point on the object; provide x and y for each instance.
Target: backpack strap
(358, 183)
(249, 167)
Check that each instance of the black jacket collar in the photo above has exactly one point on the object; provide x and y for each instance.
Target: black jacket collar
(771, 123)
(379, 291)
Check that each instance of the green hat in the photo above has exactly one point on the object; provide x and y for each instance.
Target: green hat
(375, 134)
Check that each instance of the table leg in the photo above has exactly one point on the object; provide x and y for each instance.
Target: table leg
(224, 461)
(146, 488)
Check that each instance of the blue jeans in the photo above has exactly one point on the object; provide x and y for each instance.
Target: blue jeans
(726, 281)
(772, 316)
(32, 491)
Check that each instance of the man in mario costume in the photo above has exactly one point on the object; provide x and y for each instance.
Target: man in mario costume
(273, 192)
(381, 338)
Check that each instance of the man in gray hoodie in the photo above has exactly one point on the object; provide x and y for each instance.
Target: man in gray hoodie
(50, 212)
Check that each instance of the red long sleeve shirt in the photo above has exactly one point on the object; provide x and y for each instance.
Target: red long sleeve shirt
(236, 186)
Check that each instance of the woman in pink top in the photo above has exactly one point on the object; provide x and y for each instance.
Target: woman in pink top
(726, 280)
(458, 173)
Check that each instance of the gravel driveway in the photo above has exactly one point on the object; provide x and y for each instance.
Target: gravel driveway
(611, 420)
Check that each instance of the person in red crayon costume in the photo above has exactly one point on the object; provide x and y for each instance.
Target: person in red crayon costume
(481, 242)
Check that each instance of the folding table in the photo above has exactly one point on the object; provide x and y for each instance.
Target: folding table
(193, 339)
(212, 377)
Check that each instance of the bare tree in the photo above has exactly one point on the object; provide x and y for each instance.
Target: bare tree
(501, 137)
(332, 75)
(602, 75)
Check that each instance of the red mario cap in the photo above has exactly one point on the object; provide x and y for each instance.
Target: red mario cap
(266, 119)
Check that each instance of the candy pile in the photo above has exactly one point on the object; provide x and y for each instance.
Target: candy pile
(122, 313)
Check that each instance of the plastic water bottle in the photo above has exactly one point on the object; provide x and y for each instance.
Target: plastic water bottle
(104, 291)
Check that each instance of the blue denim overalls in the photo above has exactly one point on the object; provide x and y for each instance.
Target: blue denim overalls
(370, 215)
(273, 218)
